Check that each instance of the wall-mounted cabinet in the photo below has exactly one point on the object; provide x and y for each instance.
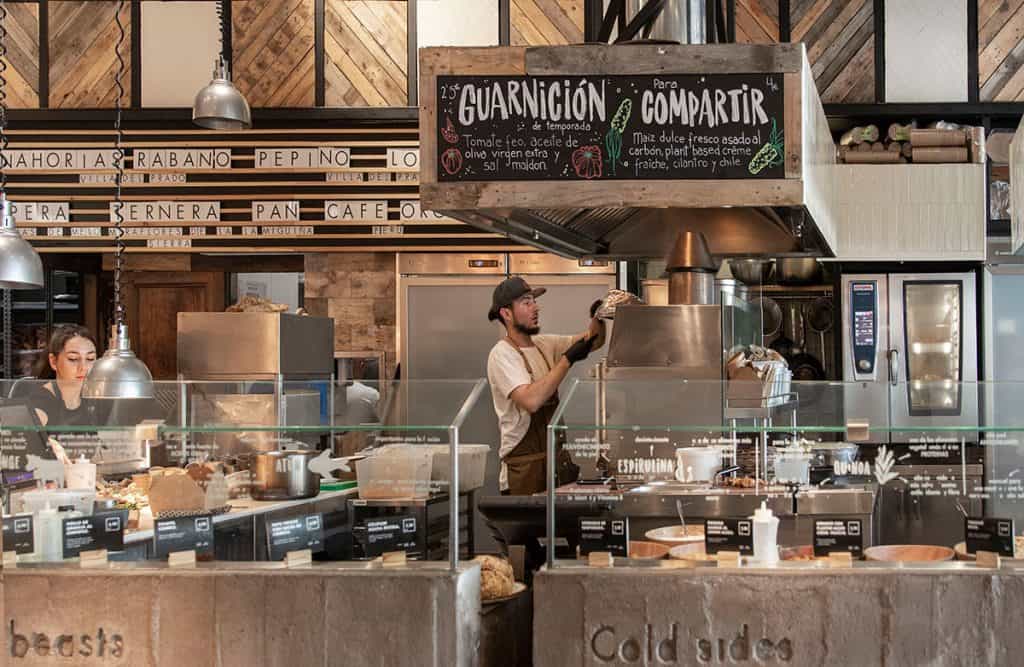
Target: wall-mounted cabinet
(910, 212)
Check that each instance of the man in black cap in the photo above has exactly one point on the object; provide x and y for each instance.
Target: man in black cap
(524, 369)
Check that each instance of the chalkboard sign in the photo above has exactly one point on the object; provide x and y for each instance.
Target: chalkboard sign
(729, 535)
(293, 534)
(838, 535)
(88, 533)
(670, 126)
(18, 534)
(988, 534)
(604, 534)
(194, 533)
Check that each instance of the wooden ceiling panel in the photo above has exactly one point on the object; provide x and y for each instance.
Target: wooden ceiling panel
(22, 59)
(1001, 50)
(82, 60)
(839, 35)
(546, 22)
(365, 53)
(272, 43)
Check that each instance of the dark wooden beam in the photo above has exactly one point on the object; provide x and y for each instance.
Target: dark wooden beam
(504, 22)
(135, 57)
(879, 15)
(320, 85)
(412, 64)
(973, 84)
(785, 29)
(44, 54)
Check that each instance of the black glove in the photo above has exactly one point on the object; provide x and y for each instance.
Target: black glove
(594, 306)
(579, 350)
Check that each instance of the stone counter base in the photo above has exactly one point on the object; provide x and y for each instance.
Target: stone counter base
(625, 616)
(245, 615)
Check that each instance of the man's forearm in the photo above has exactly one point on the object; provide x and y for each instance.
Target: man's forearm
(533, 396)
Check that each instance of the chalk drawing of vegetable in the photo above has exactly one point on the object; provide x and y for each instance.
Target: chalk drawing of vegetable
(448, 131)
(451, 160)
(769, 155)
(613, 139)
(586, 160)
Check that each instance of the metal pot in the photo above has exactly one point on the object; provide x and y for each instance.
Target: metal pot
(751, 271)
(797, 270)
(828, 453)
(284, 475)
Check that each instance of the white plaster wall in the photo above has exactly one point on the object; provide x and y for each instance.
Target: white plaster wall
(926, 50)
(456, 23)
(180, 41)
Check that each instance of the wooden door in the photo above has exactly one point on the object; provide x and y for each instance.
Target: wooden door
(153, 300)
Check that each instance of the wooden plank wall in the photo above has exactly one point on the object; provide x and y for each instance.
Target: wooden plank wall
(757, 21)
(546, 22)
(82, 61)
(22, 59)
(272, 48)
(1001, 50)
(840, 38)
(365, 53)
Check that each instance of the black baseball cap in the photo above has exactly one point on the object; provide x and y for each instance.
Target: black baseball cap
(508, 291)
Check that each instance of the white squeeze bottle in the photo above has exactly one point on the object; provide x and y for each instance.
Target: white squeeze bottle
(48, 534)
(766, 531)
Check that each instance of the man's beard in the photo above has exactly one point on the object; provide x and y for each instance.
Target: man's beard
(529, 331)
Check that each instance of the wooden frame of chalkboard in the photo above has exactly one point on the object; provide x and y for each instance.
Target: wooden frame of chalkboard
(807, 151)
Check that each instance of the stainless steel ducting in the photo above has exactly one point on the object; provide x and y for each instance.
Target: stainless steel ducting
(682, 21)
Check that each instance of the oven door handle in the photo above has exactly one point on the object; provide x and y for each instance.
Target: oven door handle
(894, 366)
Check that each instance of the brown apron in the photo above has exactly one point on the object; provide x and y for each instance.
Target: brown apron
(527, 462)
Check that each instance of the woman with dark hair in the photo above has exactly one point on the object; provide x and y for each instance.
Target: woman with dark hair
(72, 352)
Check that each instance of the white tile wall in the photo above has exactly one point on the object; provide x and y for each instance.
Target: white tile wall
(180, 41)
(926, 50)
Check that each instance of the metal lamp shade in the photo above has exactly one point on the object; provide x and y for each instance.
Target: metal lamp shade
(118, 373)
(20, 265)
(219, 105)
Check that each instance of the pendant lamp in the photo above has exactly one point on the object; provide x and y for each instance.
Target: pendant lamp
(219, 105)
(20, 265)
(118, 373)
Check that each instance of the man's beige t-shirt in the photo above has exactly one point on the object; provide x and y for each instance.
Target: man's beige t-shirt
(505, 372)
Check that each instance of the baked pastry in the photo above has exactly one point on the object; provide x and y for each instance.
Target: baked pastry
(496, 578)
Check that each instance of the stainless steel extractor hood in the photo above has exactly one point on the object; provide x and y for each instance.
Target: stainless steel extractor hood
(493, 157)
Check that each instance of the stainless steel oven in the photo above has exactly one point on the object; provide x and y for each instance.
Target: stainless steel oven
(910, 348)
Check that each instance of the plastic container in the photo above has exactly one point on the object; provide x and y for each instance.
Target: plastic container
(395, 472)
(472, 465)
(80, 474)
(80, 499)
(793, 466)
(697, 464)
(766, 533)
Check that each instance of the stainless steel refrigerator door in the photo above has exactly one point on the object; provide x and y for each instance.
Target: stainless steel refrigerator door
(1003, 328)
(865, 334)
(444, 333)
(933, 335)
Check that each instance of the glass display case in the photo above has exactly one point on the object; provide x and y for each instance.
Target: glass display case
(190, 471)
(660, 480)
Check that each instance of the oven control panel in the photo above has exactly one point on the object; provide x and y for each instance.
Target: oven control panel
(864, 327)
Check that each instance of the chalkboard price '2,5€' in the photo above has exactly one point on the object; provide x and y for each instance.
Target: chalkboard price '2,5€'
(671, 126)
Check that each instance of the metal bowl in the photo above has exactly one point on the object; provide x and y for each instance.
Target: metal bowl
(751, 271)
(797, 270)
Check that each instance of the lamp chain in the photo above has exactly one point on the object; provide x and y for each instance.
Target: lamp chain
(119, 176)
